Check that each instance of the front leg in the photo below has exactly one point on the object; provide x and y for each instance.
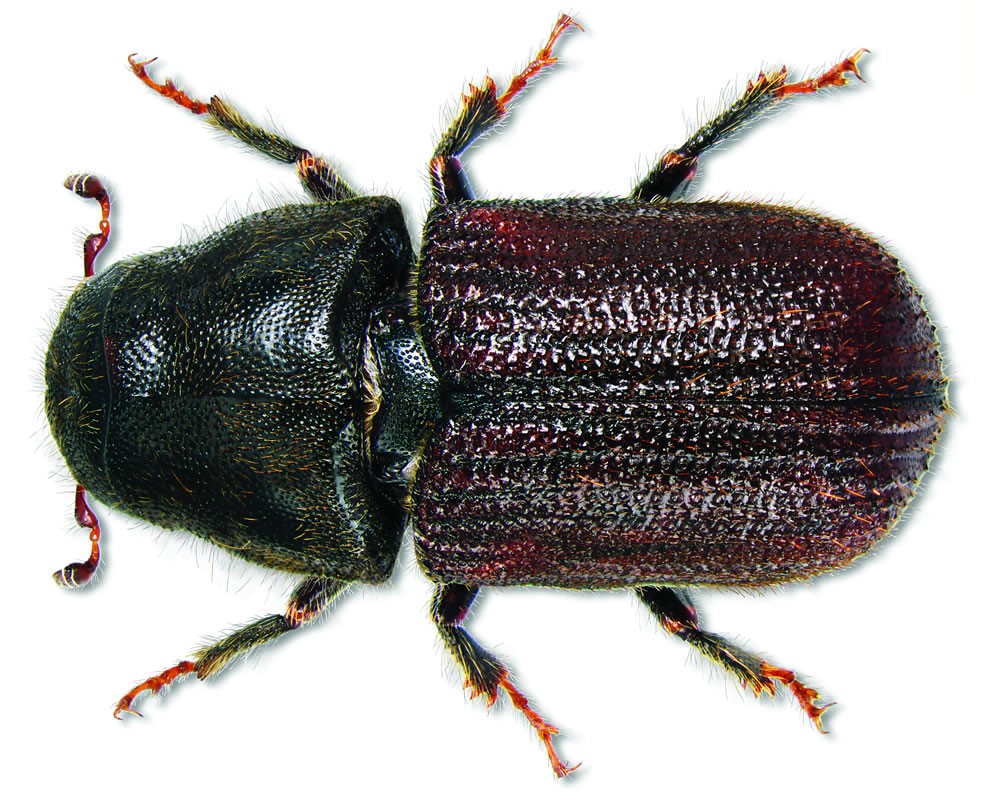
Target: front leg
(485, 675)
(482, 109)
(318, 176)
(309, 600)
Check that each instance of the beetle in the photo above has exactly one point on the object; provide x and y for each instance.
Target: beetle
(588, 393)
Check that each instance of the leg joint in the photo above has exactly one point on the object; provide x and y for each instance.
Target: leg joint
(452, 603)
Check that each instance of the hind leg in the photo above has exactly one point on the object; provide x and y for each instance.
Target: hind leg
(675, 170)
(676, 613)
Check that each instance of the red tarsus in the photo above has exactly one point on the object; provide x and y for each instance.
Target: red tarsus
(805, 696)
(168, 89)
(834, 77)
(544, 729)
(153, 683)
(540, 62)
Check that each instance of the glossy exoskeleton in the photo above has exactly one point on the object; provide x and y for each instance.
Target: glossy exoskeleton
(638, 392)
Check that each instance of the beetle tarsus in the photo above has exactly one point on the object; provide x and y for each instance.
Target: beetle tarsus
(154, 684)
(540, 62)
(544, 729)
(836, 76)
(167, 88)
(805, 696)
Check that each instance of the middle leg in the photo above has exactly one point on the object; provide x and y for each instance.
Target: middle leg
(485, 675)
(482, 109)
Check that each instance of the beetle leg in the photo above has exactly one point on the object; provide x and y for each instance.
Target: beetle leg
(481, 110)
(317, 175)
(485, 675)
(674, 171)
(309, 600)
(676, 613)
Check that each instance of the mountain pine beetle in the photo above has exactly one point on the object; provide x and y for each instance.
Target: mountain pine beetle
(638, 392)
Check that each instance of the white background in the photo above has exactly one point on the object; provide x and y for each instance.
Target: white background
(365, 706)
